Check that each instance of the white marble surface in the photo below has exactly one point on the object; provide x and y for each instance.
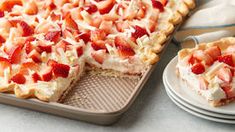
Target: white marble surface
(152, 111)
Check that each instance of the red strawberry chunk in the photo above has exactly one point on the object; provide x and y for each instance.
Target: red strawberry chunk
(158, 5)
(51, 6)
(120, 41)
(84, 36)
(100, 44)
(51, 62)
(198, 68)
(214, 52)
(70, 22)
(2, 14)
(53, 36)
(7, 5)
(27, 30)
(139, 32)
(228, 91)
(35, 56)
(28, 65)
(2, 40)
(79, 51)
(60, 70)
(47, 74)
(46, 48)
(124, 51)
(91, 8)
(105, 6)
(97, 35)
(28, 47)
(4, 63)
(18, 78)
(192, 60)
(202, 56)
(164, 2)
(14, 54)
(225, 74)
(227, 59)
(99, 56)
(36, 77)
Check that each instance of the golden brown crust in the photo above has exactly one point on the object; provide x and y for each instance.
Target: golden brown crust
(222, 43)
(176, 18)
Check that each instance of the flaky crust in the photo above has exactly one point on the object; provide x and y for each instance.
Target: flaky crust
(162, 35)
(222, 43)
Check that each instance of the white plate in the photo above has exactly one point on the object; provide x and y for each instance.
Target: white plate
(199, 114)
(205, 112)
(186, 94)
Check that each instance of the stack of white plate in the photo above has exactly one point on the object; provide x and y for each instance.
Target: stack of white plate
(190, 101)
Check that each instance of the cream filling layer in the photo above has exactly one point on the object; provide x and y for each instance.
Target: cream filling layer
(214, 91)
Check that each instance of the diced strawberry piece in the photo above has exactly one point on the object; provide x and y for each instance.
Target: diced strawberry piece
(55, 17)
(139, 32)
(51, 6)
(7, 5)
(14, 54)
(198, 68)
(28, 66)
(201, 56)
(97, 35)
(227, 59)
(164, 2)
(79, 51)
(63, 44)
(99, 56)
(35, 56)
(203, 83)
(100, 44)
(47, 74)
(120, 41)
(124, 51)
(18, 78)
(2, 40)
(51, 62)
(60, 70)
(53, 36)
(14, 22)
(214, 52)
(91, 8)
(228, 91)
(27, 30)
(46, 48)
(106, 26)
(30, 39)
(121, 26)
(36, 77)
(225, 74)
(158, 5)
(70, 22)
(4, 63)
(84, 36)
(192, 60)
(28, 47)
(2, 14)
(31, 8)
(105, 6)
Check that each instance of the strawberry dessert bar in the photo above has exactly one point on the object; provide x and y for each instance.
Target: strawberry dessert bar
(209, 70)
(46, 45)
